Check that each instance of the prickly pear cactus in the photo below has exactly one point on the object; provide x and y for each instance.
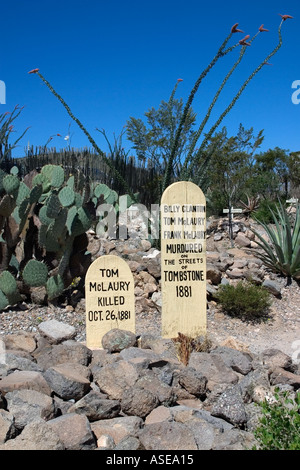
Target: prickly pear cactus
(46, 215)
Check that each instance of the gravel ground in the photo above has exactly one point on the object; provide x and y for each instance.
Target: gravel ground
(281, 330)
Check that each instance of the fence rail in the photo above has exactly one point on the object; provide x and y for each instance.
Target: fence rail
(141, 179)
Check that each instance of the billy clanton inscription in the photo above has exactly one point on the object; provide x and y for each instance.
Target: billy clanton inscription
(109, 292)
(183, 260)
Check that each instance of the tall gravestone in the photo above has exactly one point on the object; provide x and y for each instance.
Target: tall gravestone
(183, 260)
(109, 298)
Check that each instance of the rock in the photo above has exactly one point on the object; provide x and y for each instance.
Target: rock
(94, 407)
(20, 341)
(35, 436)
(56, 332)
(13, 362)
(235, 273)
(242, 240)
(273, 287)
(282, 376)
(163, 393)
(138, 401)
(129, 443)
(114, 378)
(115, 340)
(167, 436)
(68, 351)
(237, 360)
(159, 414)
(218, 237)
(274, 358)
(204, 433)
(117, 428)
(213, 368)
(230, 406)
(105, 442)
(25, 380)
(213, 274)
(28, 405)
(68, 381)
(234, 439)
(74, 431)
(154, 266)
(193, 381)
(7, 426)
(157, 299)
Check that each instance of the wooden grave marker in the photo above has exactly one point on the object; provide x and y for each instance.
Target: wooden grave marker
(109, 297)
(183, 260)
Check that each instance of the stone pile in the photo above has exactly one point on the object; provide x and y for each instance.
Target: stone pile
(132, 394)
(225, 264)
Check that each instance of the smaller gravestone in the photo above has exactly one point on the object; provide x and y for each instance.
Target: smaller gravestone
(109, 298)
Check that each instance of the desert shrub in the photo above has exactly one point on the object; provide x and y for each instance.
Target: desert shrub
(245, 300)
(279, 426)
(185, 345)
(264, 212)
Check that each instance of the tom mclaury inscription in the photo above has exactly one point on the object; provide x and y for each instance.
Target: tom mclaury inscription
(109, 294)
(183, 258)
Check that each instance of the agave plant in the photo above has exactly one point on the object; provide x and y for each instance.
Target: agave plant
(281, 253)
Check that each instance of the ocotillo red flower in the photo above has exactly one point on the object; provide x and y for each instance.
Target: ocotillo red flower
(261, 28)
(179, 79)
(34, 71)
(285, 17)
(235, 30)
(243, 42)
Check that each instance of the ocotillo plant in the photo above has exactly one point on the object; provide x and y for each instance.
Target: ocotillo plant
(191, 167)
(6, 129)
(101, 154)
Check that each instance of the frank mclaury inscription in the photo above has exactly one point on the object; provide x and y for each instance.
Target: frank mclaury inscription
(109, 293)
(183, 258)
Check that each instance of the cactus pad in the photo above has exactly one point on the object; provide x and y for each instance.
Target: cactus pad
(66, 196)
(35, 273)
(55, 286)
(11, 184)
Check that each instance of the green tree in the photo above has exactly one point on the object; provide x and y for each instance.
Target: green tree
(272, 169)
(231, 166)
(153, 139)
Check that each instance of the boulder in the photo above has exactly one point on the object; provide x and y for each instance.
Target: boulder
(26, 379)
(28, 405)
(95, 407)
(116, 339)
(230, 406)
(35, 436)
(68, 351)
(68, 380)
(56, 332)
(137, 401)
(117, 428)
(74, 431)
(168, 436)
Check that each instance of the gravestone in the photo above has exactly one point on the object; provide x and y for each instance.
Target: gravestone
(183, 260)
(109, 298)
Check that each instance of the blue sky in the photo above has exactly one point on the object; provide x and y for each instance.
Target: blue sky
(113, 59)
